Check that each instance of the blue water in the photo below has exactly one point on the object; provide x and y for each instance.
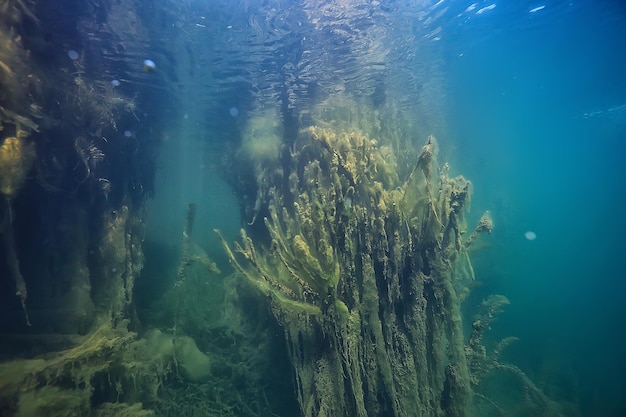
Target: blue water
(537, 112)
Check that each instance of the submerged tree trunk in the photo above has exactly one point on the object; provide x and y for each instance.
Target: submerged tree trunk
(362, 273)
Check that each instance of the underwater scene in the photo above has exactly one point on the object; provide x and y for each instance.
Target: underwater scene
(312, 208)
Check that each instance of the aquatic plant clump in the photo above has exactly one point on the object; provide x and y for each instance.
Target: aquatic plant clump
(362, 271)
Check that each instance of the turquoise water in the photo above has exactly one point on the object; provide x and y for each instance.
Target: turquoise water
(539, 118)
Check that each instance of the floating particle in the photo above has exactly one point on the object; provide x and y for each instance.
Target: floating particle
(149, 65)
(72, 54)
(536, 9)
(530, 235)
(234, 111)
(128, 133)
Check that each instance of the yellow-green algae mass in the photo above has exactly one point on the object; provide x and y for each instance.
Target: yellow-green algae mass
(362, 271)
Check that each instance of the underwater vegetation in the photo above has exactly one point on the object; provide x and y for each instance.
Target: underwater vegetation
(365, 272)
(346, 294)
(361, 273)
